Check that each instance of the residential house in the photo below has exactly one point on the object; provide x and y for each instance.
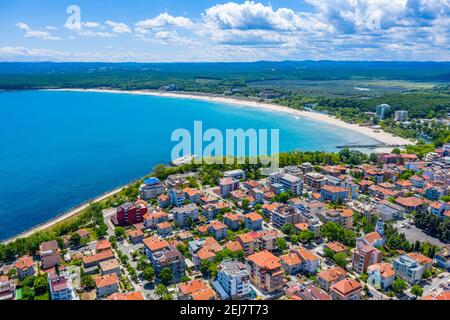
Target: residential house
(109, 267)
(24, 267)
(346, 289)
(421, 259)
(233, 220)
(265, 271)
(253, 221)
(380, 275)
(135, 236)
(333, 194)
(218, 230)
(164, 228)
(7, 289)
(327, 278)
(196, 290)
(106, 285)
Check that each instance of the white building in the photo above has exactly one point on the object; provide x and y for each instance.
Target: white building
(151, 188)
(182, 215)
(288, 181)
(401, 115)
(60, 286)
(408, 269)
(233, 280)
(235, 174)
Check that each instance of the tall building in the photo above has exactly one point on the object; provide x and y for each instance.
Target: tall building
(382, 110)
(408, 269)
(60, 286)
(265, 271)
(129, 213)
(401, 115)
(185, 214)
(151, 188)
(162, 255)
(233, 280)
(288, 181)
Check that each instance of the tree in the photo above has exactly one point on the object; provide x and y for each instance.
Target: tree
(28, 293)
(119, 232)
(161, 290)
(340, 259)
(294, 239)
(396, 151)
(40, 285)
(87, 281)
(166, 276)
(75, 239)
(148, 274)
(287, 229)
(306, 236)
(417, 291)
(399, 285)
(281, 244)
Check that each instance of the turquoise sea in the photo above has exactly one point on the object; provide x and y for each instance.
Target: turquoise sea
(59, 149)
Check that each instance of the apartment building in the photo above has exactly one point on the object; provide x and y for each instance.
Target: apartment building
(265, 271)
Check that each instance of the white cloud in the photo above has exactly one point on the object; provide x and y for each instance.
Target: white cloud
(52, 28)
(90, 24)
(118, 27)
(163, 20)
(90, 33)
(38, 34)
(252, 16)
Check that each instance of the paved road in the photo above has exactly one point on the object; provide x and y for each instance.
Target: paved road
(433, 286)
(414, 234)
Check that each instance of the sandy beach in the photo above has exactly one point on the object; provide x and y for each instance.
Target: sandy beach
(65, 216)
(380, 136)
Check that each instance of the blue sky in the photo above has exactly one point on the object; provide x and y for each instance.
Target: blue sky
(211, 30)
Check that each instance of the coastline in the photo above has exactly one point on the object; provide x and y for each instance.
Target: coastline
(382, 137)
(65, 216)
(385, 138)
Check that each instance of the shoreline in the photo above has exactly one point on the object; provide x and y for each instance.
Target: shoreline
(64, 216)
(385, 138)
(382, 137)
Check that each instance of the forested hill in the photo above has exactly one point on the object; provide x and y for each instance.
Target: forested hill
(17, 75)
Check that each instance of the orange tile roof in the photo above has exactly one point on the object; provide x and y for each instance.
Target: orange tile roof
(420, 258)
(333, 189)
(346, 286)
(306, 254)
(386, 270)
(265, 259)
(233, 246)
(135, 233)
(155, 243)
(291, 259)
(332, 274)
(336, 246)
(103, 245)
(232, 216)
(302, 226)
(192, 191)
(103, 255)
(107, 280)
(444, 295)
(217, 225)
(246, 238)
(346, 213)
(203, 295)
(24, 263)
(205, 254)
(164, 225)
(372, 237)
(253, 216)
(212, 244)
(192, 286)
(410, 202)
(130, 296)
